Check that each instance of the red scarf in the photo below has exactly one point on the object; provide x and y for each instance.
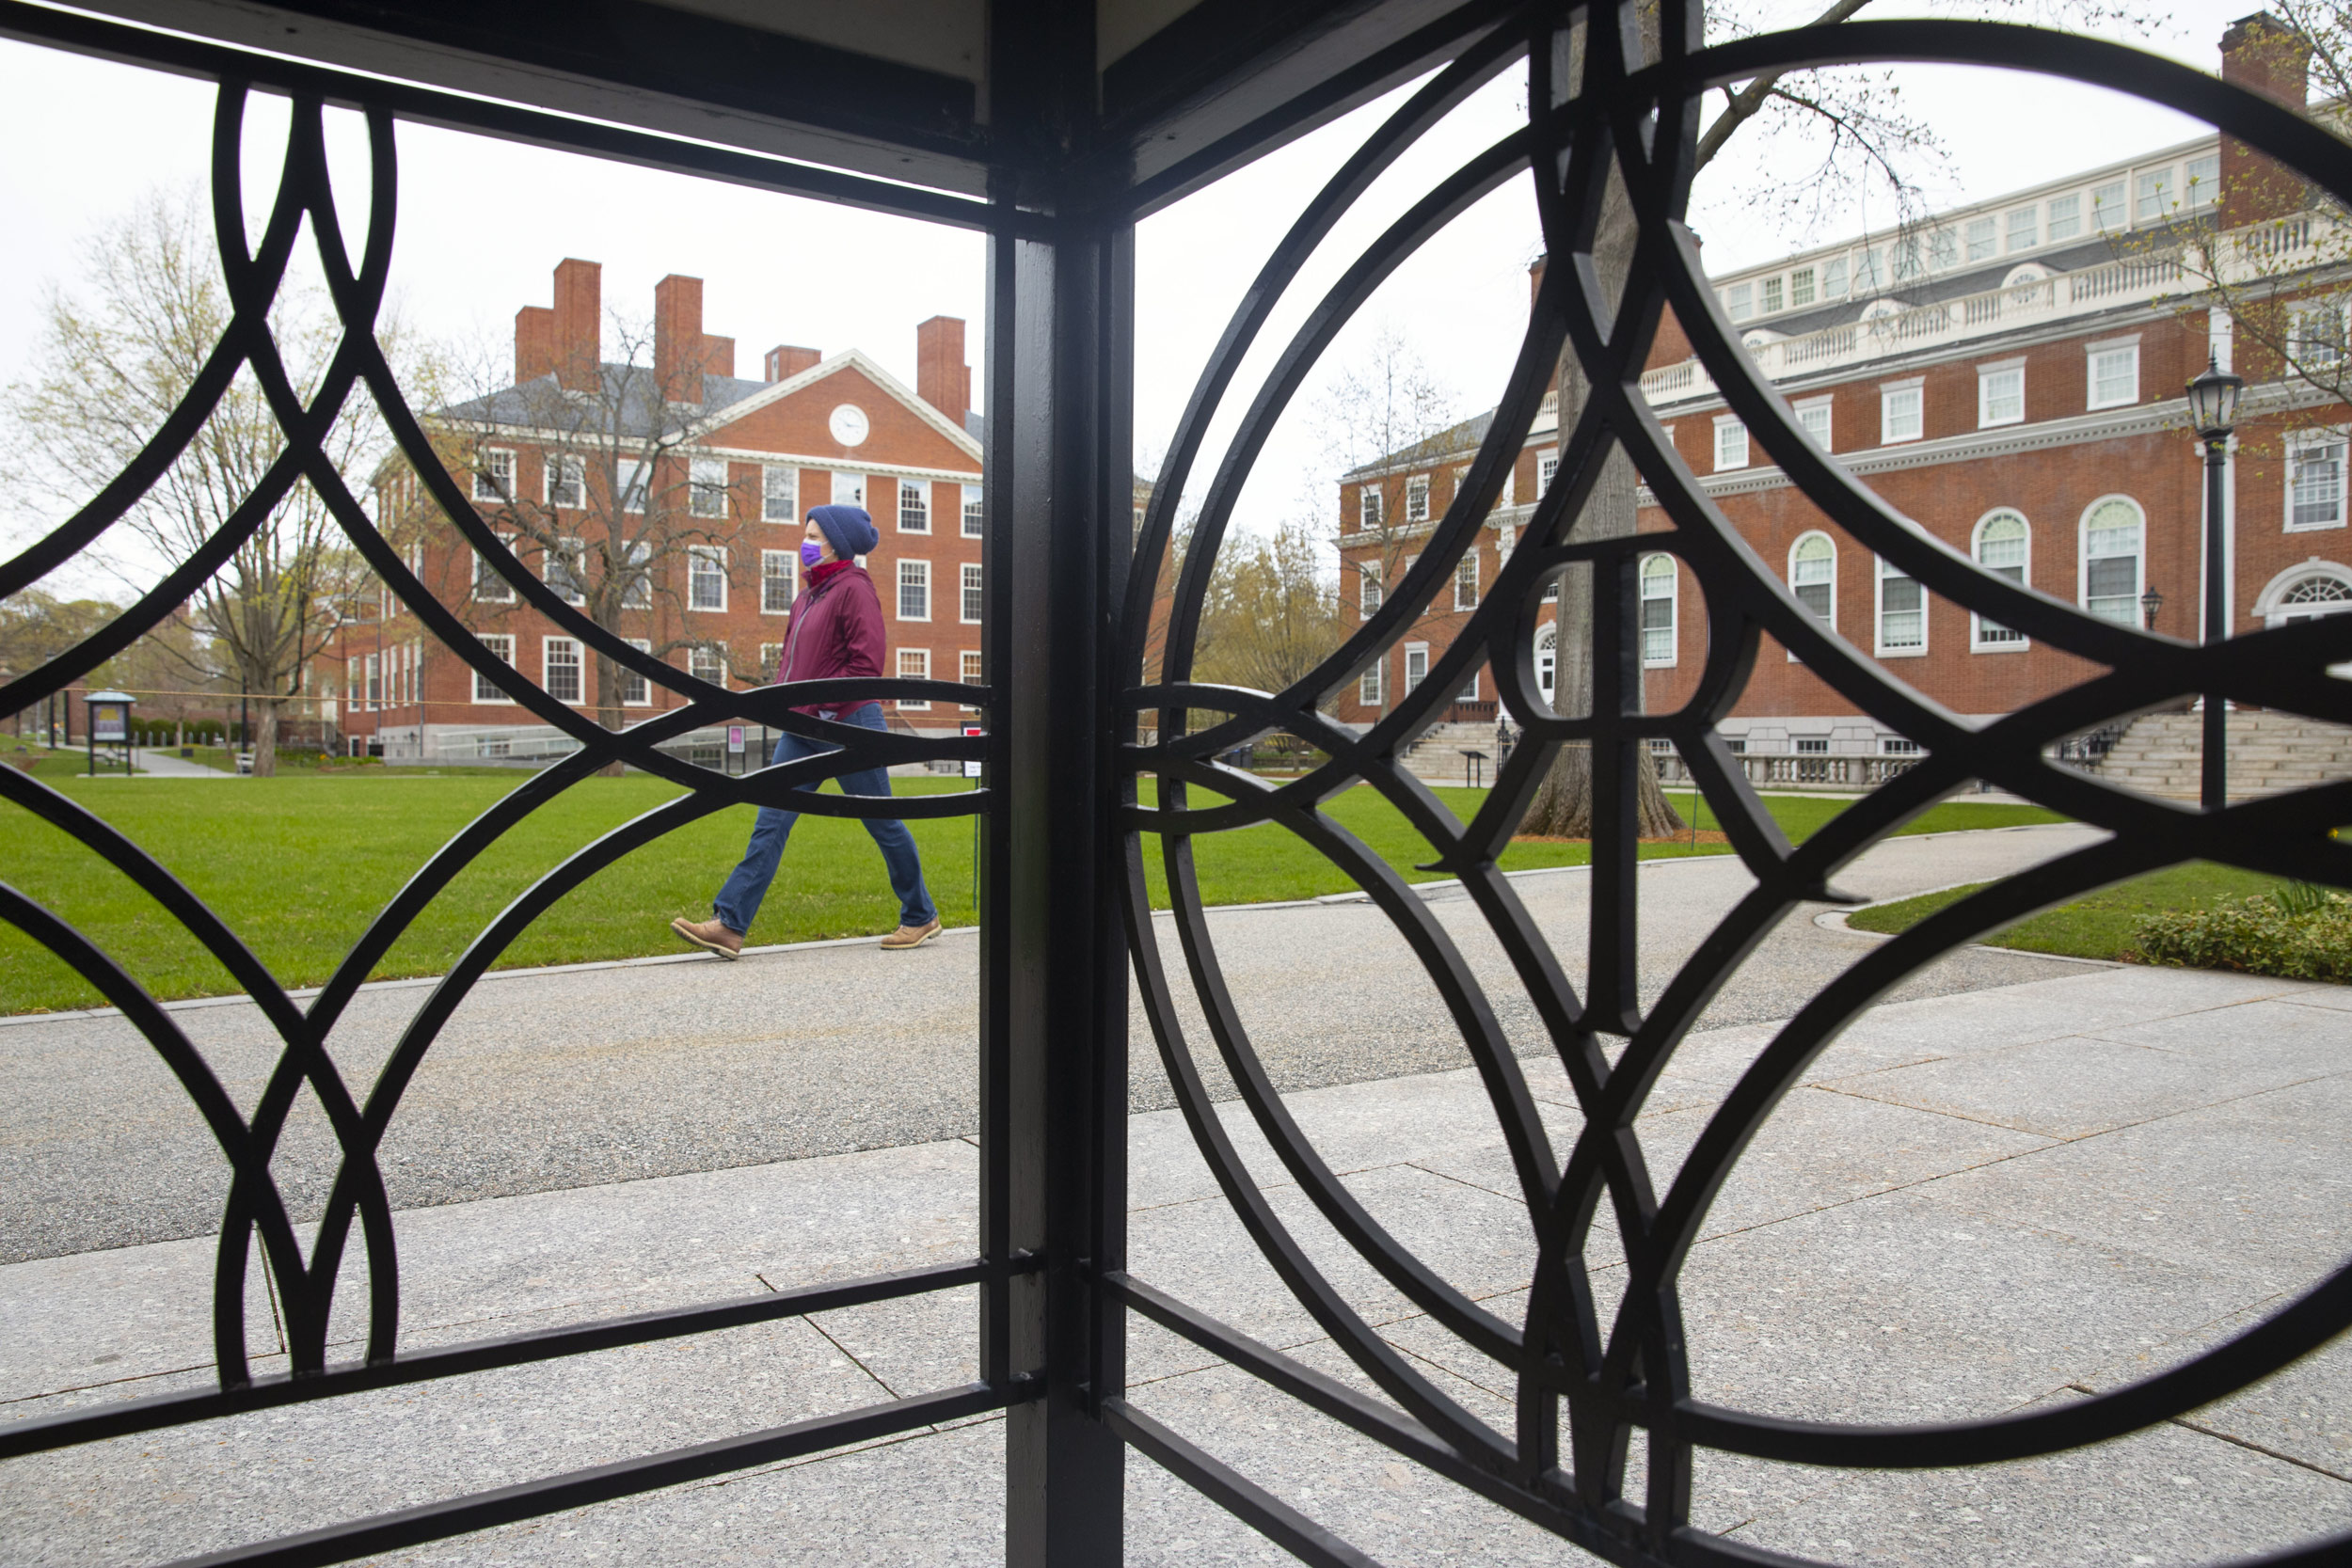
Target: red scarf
(823, 569)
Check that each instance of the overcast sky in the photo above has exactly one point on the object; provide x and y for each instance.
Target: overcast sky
(482, 223)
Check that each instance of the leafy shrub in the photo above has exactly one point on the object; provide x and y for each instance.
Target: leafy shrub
(2301, 933)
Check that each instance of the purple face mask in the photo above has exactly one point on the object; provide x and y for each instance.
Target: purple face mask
(811, 553)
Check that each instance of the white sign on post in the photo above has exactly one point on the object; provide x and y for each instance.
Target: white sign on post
(735, 740)
(972, 765)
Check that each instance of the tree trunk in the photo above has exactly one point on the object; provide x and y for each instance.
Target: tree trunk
(609, 708)
(264, 739)
(1562, 807)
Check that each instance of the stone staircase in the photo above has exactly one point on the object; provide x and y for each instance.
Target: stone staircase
(2161, 755)
(1436, 758)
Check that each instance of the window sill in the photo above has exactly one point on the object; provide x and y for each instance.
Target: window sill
(1999, 424)
(1901, 653)
(1658, 663)
(1897, 440)
(2018, 647)
(1732, 468)
(2120, 403)
(2314, 528)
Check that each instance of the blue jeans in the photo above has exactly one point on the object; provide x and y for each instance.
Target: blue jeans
(739, 901)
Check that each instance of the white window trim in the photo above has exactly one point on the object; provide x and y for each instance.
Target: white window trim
(1372, 686)
(910, 488)
(502, 591)
(2296, 441)
(480, 479)
(965, 574)
(793, 514)
(970, 667)
(1370, 592)
(2082, 549)
(634, 475)
(764, 556)
(697, 488)
(1673, 611)
(969, 520)
(1379, 506)
(643, 645)
(1469, 560)
(1888, 391)
(717, 555)
(1827, 404)
(1985, 373)
(575, 551)
(898, 602)
(1791, 570)
(2019, 642)
(2090, 377)
(546, 646)
(552, 464)
(1747, 446)
(1409, 650)
(502, 644)
(1548, 456)
(1417, 492)
(1878, 613)
(899, 665)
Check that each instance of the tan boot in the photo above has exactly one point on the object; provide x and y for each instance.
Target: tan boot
(909, 936)
(711, 935)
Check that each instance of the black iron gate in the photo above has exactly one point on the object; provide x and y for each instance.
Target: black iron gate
(1076, 666)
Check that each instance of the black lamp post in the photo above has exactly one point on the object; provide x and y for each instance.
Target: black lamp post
(2213, 410)
(2150, 603)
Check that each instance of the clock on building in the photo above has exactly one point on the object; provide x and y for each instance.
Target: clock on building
(848, 424)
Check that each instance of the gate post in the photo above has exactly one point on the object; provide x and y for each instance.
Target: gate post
(1058, 530)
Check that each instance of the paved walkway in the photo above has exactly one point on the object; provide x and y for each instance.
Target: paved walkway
(566, 1077)
(171, 764)
(2066, 1183)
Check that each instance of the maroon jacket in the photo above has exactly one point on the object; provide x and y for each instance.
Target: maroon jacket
(835, 631)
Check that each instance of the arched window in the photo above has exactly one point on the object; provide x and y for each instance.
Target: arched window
(2114, 536)
(1658, 611)
(2305, 593)
(2004, 547)
(1547, 658)
(1813, 574)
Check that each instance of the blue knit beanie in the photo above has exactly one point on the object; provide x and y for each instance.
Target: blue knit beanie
(848, 529)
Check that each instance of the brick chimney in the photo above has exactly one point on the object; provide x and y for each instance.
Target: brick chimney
(534, 343)
(2265, 56)
(785, 360)
(941, 378)
(677, 337)
(578, 323)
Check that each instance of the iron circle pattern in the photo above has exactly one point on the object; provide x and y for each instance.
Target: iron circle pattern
(1586, 1388)
(254, 1214)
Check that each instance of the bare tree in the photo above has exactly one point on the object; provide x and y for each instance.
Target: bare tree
(114, 360)
(625, 511)
(1854, 120)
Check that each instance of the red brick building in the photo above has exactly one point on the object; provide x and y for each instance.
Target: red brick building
(666, 500)
(2010, 376)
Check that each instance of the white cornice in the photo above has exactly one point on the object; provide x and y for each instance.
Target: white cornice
(846, 360)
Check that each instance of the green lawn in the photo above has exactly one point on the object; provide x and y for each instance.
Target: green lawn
(2099, 927)
(299, 864)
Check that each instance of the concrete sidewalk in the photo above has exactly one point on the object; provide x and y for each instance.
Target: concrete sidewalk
(2062, 1185)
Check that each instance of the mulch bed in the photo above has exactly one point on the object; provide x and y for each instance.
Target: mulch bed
(1705, 835)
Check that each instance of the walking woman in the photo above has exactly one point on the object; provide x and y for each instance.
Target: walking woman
(836, 632)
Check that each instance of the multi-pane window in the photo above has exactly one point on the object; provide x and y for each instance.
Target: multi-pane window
(708, 664)
(707, 577)
(1417, 499)
(779, 580)
(1416, 664)
(1833, 278)
(1943, 249)
(636, 691)
(1771, 295)
(1368, 590)
(1368, 507)
(2025, 227)
(1466, 582)
(635, 479)
(914, 590)
(493, 479)
(914, 507)
(779, 493)
(1813, 419)
(2066, 217)
(2001, 544)
(1801, 288)
(1658, 611)
(1546, 469)
(1901, 415)
(1905, 255)
(636, 594)
(771, 659)
(566, 573)
(970, 670)
(971, 512)
(706, 487)
(2001, 395)
(1869, 271)
(2315, 479)
(1902, 611)
(1731, 443)
(560, 668)
(2205, 178)
(567, 481)
(2107, 206)
(2151, 194)
(1470, 689)
(485, 688)
(1812, 745)
(2111, 554)
(1368, 684)
(489, 587)
(915, 664)
(2115, 375)
(1813, 576)
(1739, 301)
(973, 600)
(848, 489)
(2315, 333)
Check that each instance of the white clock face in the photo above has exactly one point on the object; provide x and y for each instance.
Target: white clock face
(848, 424)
